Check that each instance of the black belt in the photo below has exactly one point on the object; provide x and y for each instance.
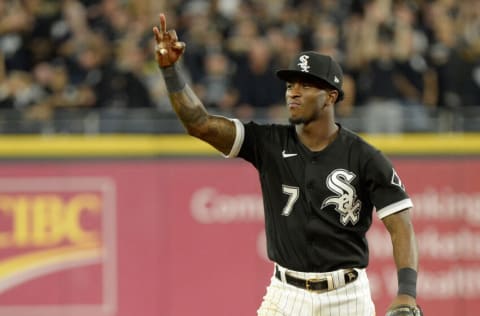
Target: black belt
(321, 284)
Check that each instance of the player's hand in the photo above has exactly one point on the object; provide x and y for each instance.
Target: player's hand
(405, 310)
(401, 300)
(404, 299)
(167, 49)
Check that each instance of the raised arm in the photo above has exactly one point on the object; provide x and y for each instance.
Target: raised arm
(218, 131)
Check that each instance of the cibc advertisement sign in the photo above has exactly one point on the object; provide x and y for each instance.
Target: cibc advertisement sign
(186, 237)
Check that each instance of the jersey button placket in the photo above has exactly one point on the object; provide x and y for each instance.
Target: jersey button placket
(309, 176)
(310, 186)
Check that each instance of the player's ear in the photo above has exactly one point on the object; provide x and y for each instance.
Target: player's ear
(333, 96)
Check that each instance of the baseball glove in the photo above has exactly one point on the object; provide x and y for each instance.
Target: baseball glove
(405, 310)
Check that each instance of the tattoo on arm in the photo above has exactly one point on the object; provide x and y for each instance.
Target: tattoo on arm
(189, 109)
(216, 130)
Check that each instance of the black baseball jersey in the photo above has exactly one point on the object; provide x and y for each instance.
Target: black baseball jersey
(319, 205)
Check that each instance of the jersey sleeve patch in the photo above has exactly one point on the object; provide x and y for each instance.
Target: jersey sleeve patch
(394, 208)
(239, 136)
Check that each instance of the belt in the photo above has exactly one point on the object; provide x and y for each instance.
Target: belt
(318, 284)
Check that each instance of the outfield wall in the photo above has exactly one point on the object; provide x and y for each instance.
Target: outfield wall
(165, 226)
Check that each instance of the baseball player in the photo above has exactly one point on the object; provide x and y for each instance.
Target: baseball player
(320, 184)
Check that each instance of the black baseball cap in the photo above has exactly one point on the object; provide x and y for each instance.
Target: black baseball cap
(317, 67)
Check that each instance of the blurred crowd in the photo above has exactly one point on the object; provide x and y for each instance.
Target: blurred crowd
(403, 59)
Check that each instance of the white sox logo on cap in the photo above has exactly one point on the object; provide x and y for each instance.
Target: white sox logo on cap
(304, 63)
(315, 67)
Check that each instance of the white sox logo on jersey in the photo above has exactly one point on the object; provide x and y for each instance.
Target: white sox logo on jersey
(304, 63)
(346, 202)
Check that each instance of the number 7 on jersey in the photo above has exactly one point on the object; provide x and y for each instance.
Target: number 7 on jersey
(293, 193)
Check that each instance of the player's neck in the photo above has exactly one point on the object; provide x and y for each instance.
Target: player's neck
(317, 135)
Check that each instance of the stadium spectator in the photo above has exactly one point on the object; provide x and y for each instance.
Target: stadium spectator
(105, 51)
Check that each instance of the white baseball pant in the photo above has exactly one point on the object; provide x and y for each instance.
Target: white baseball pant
(352, 299)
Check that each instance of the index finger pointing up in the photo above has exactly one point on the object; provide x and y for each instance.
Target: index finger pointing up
(163, 23)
